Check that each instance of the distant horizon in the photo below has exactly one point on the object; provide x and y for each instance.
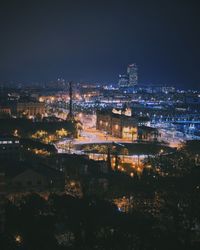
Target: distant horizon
(185, 85)
(27, 83)
(94, 41)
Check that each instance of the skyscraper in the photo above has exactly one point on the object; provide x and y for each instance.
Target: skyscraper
(131, 78)
(123, 81)
(132, 72)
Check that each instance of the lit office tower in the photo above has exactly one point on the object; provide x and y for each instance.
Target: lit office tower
(132, 72)
(123, 81)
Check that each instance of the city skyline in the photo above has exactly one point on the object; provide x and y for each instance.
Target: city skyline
(94, 41)
(99, 125)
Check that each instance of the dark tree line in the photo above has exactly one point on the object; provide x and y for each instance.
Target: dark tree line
(34, 223)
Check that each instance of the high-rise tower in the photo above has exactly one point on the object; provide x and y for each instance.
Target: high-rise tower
(132, 72)
(123, 81)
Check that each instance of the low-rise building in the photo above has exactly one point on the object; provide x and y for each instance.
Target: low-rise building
(27, 177)
(123, 124)
(9, 147)
(5, 111)
(118, 124)
(30, 108)
(146, 133)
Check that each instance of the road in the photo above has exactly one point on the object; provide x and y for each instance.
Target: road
(94, 136)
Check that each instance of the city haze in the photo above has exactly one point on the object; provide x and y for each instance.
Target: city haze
(95, 40)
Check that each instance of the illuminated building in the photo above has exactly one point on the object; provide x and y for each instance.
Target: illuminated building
(131, 78)
(146, 133)
(132, 72)
(123, 81)
(5, 111)
(30, 108)
(120, 124)
(9, 147)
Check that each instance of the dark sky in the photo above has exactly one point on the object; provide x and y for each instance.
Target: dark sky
(95, 40)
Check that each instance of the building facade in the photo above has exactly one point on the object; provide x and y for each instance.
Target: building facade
(31, 108)
(146, 133)
(118, 124)
(5, 111)
(131, 78)
(123, 81)
(9, 147)
(132, 72)
(122, 124)
(30, 177)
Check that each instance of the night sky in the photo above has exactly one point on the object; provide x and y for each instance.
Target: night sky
(96, 40)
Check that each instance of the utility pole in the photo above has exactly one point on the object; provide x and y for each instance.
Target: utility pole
(70, 114)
